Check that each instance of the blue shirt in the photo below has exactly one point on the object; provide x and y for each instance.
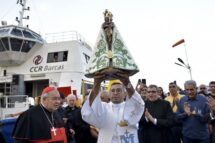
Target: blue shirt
(194, 126)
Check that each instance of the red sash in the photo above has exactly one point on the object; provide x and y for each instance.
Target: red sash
(58, 135)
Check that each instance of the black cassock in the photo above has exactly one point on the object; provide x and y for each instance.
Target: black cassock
(81, 128)
(159, 133)
(34, 125)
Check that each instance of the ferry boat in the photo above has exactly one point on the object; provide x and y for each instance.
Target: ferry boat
(28, 63)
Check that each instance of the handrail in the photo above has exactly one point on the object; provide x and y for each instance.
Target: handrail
(13, 104)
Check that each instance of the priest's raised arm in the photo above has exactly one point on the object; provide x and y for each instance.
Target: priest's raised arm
(118, 119)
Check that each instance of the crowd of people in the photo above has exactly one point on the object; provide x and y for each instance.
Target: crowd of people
(122, 114)
(187, 116)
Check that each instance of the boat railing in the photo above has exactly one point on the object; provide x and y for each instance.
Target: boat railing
(63, 36)
(13, 104)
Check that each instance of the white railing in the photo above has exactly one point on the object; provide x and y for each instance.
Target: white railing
(63, 36)
(13, 104)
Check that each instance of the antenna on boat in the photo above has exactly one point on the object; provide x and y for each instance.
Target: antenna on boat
(20, 19)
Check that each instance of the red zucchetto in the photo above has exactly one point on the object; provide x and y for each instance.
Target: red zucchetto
(48, 89)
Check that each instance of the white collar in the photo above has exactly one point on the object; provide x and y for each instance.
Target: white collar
(117, 105)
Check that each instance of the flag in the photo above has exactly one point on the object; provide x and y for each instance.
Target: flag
(178, 43)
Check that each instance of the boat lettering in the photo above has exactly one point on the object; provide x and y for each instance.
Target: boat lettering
(36, 69)
(46, 68)
(53, 68)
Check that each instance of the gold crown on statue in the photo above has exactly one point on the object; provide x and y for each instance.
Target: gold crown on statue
(108, 14)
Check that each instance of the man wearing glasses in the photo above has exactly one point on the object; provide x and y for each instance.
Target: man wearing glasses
(116, 120)
(41, 124)
(157, 119)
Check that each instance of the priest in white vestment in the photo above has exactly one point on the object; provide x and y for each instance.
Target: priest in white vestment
(118, 120)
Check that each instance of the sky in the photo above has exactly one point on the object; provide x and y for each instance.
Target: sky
(149, 28)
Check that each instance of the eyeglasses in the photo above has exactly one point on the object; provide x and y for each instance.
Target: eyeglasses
(190, 89)
(202, 88)
(152, 91)
(143, 89)
(54, 98)
(172, 86)
(117, 90)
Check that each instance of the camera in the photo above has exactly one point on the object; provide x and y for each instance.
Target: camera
(142, 81)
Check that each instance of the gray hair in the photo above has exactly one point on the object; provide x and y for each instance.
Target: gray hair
(71, 96)
(190, 82)
(43, 96)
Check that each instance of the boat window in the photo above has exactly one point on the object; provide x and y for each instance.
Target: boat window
(27, 46)
(28, 34)
(50, 58)
(16, 32)
(1, 46)
(62, 56)
(5, 42)
(37, 37)
(2, 87)
(15, 44)
(4, 31)
(65, 55)
(57, 57)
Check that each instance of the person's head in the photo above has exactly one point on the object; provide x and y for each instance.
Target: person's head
(71, 99)
(108, 16)
(212, 87)
(173, 89)
(143, 89)
(117, 93)
(190, 88)
(203, 89)
(50, 98)
(161, 92)
(105, 96)
(152, 91)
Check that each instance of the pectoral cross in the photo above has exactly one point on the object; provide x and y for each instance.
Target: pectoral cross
(53, 130)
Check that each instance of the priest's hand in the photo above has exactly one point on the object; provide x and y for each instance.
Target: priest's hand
(149, 116)
(123, 77)
(99, 77)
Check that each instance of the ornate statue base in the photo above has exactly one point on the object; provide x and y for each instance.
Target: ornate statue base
(110, 73)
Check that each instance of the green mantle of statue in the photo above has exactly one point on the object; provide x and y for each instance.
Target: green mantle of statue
(110, 55)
